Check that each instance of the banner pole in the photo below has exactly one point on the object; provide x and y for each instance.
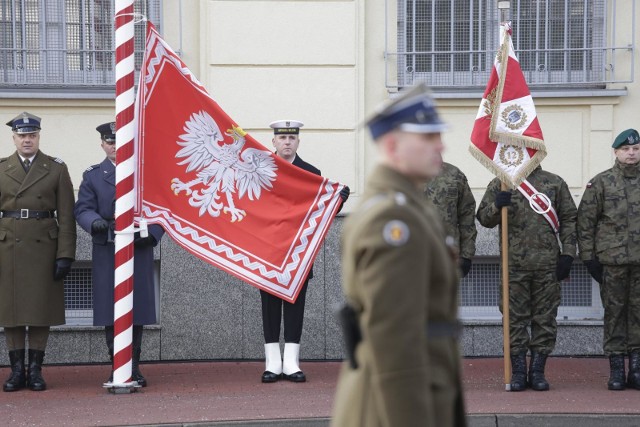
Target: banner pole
(125, 198)
(506, 338)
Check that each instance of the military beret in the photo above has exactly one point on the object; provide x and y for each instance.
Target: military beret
(107, 131)
(25, 123)
(627, 137)
(290, 127)
(413, 111)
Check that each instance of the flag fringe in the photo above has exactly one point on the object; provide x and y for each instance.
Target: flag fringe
(517, 140)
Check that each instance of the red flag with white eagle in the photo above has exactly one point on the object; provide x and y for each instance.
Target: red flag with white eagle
(218, 192)
(506, 136)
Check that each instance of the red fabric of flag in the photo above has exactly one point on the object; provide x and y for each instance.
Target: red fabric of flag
(218, 192)
(506, 137)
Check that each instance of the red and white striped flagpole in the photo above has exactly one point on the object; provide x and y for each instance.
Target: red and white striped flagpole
(125, 197)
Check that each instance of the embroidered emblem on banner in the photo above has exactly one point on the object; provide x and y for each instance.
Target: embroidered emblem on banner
(511, 155)
(514, 117)
(221, 167)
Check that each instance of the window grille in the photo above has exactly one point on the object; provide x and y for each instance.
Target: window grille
(559, 43)
(64, 43)
(479, 293)
(78, 293)
(78, 296)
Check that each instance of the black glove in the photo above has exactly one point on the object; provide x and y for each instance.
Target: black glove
(465, 266)
(62, 268)
(595, 269)
(143, 242)
(564, 267)
(99, 226)
(344, 193)
(503, 198)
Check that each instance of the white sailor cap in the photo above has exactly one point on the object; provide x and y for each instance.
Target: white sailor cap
(290, 127)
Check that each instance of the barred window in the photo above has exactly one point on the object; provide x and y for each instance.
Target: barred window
(452, 43)
(57, 44)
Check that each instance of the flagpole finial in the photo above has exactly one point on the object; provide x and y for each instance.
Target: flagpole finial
(503, 7)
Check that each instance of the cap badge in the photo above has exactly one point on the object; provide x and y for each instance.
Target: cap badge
(287, 124)
(112, 125)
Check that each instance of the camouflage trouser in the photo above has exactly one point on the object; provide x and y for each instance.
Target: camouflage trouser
(620, 293)
(534, 297)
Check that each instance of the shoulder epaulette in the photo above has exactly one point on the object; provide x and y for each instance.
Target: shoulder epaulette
(56, 159)
(92, 167)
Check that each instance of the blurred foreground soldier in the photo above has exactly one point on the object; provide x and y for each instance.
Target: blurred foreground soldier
(95, 213)
(539, 259)
(37, 247)
(609, 242)
(400, 281)
(286, 140)
(452, 197)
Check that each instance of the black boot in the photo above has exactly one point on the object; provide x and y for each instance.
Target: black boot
(537, 381)
(17, 378)
(136, 375)
(36, 382)
(633, 380)
(108, 331)
(616, 378)
(519, 371)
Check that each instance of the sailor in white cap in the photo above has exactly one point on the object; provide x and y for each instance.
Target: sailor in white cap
(286, 140)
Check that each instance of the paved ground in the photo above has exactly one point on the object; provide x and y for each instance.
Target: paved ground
(230, 394)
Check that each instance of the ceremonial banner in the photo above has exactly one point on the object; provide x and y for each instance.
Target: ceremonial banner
(218, 192)
(506, 136)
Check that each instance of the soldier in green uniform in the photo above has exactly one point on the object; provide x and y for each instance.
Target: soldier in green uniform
(400, 282)
(37, 247)
(452, 197)
(609, 242)
(539, 259)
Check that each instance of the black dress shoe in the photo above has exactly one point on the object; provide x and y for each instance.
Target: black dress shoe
(269, 377)
(296, 377)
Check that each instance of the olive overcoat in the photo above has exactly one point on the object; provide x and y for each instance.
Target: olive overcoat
(401, 279)
(29, 247)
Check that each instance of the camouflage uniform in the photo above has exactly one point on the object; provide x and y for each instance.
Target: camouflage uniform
(609, 231)
(452, 198)
(534, 291)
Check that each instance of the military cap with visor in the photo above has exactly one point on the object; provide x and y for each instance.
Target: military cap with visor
(107, 131)
(413, 111)
(25, 123)
(627, 137)
(286, 127)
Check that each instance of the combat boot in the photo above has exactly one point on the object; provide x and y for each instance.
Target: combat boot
(17, 378)
(616, 378)
(36, 382)
(537, 381)
(633, 380)
(519, 371)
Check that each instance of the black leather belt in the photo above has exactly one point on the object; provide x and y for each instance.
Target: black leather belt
(27, 214)
(443, 330)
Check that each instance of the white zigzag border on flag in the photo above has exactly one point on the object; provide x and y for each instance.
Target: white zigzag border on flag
(243, 261)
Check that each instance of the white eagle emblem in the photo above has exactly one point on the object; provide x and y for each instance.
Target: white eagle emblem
(221, 168)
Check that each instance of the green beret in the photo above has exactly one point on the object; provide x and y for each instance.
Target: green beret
(628, 137)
